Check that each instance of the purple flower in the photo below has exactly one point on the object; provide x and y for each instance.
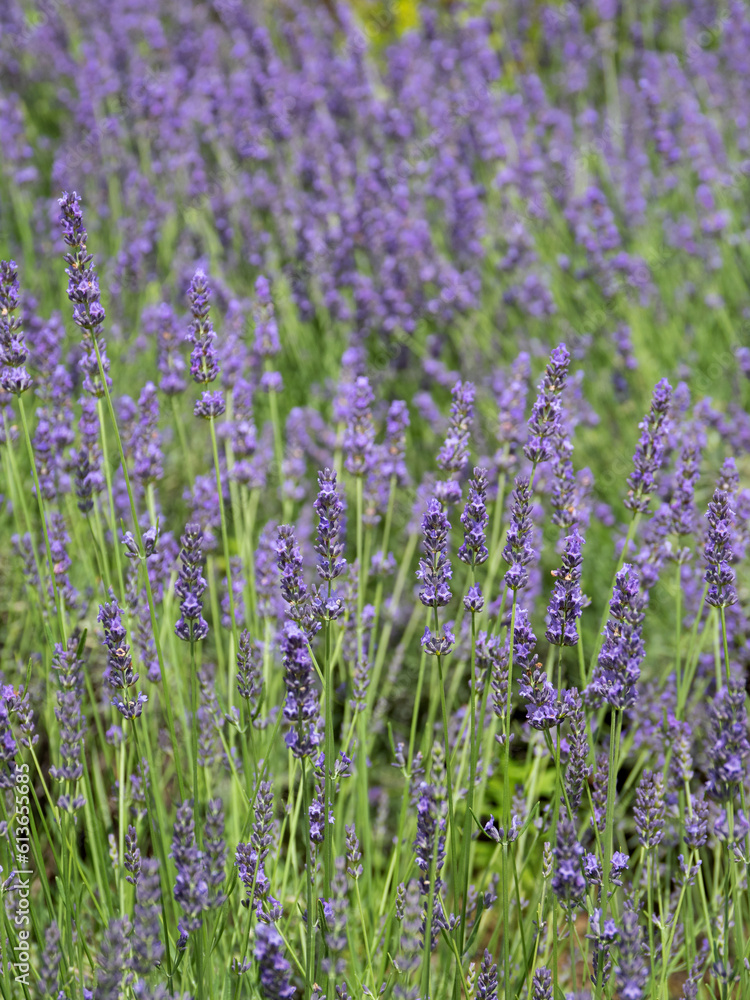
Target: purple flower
(204, 361)
(434, 567)
(696, 824)
(577, 769)
(545, 414)
(568, 883)
(249, 672)
(454, 454)
(487, 978)
(511, 404)
(83, 292)
(566, 603)
(541, 984)
(119, 673)
(329, 545)
(13, 354)
(112, 976)
(250, 858)
(266, 329)
(682, 504)
(169, 359)
(71, 720)
(429, 850)
(518, 551)
(273, 967)
(302, 705)
(474, 600)
(148, 948)
(215, 849)
(649, 452)
(632, 970)
(727, 745)
(146, 443)
(718, 552)
(359, 434)
(210, 405)
(648, 812)
(435, 645)
(190, 586)
(191, 885)
(619, 665)
(394, 448)
(474, 520)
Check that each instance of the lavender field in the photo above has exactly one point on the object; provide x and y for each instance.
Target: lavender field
(374, 500)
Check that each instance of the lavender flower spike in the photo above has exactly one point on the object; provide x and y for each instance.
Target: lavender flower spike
(191, 885)
(13, 353)
(204, 360)
(359, 436)
(718, 552)
(274, 967)
(619, 665)
(566, 603)
(545, 414)
(518, 551)
(474, 520)
(329, 546)
(434, 568)
(83, 292)
(302, 706)
(454, 454)
(119, 673)
(190, 586)
(649, 452)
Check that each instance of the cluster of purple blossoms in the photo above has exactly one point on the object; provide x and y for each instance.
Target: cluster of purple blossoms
(302, 704)
(13, 353)
(568, 883)
(88, 474)
(191, 885)
(649, 453)
(618, 667)
(148, 947)
(487, 978)
(329, 546)
(293, 587)
(250, 859)
(511, 405)
(83, 292)
(727, 746)
(474, 520)
(566, 604)
(72, 722)
(393, 452)
(119, 673)
(274, 969)
(267, 344)
(191, 585)
(545, 413)
(682, 505)
(169, 339)
(649, 809)
(518, 552)
(359, 433)
(204, 358)
(543, 709)
(249, 673)
(429, 851)
(454, 453)
(718, 552)
(434, 567)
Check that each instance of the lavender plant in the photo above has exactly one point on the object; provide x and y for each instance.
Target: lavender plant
(292, 701)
